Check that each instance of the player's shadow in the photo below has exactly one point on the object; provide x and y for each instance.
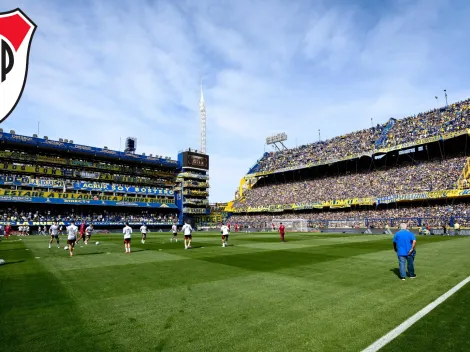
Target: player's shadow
(396, 271)
(91, 253)
(18, 261)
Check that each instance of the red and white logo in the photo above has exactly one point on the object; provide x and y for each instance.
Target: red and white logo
(16, 33)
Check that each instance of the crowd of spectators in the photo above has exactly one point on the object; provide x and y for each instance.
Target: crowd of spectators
(455, 117)
(435, 216)
(336, 148)
(419, 177)
(94, 176)
(428, 124)
(72, 214)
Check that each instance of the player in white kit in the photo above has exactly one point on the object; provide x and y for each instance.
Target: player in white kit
(225, 232)
(187, 230)
(143, 231)
(71, 237)
(54, 232)
(88, 233)
(174, 229)
(127, 231)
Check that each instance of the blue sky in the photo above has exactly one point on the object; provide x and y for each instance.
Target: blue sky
(101, 70)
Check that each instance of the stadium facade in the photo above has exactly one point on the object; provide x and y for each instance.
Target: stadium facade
(43, 180)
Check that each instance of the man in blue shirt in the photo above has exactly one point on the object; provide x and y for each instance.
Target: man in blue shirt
(404, 243)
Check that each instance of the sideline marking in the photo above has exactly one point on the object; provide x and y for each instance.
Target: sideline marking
(377, 345)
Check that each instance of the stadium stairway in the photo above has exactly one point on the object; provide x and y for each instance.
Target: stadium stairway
(383, 136)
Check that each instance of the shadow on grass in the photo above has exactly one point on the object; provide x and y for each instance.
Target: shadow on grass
(198, 246)
(396, 271)
(18, 261)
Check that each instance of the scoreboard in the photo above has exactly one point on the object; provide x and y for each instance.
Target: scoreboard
(196, 160)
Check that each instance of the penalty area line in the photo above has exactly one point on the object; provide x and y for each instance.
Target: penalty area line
(377, 345)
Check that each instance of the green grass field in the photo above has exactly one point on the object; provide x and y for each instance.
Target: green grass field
(316, 292)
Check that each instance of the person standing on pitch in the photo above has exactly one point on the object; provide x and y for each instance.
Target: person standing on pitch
(187, 230)
(143, 231)
(88, 233)
(127, 231)
(8, 230)
(71, 237)
(174, 229)
(404, 243)
(54, 232)
(282, 231)
(224, 230)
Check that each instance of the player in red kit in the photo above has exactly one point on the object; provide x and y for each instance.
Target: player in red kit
(236, 227)
(282, 230)
(8, 231)
(82, 232)
(228, 225)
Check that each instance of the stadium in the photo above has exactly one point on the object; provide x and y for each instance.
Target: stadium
(355, 182)
(339, 199)
(355, 242)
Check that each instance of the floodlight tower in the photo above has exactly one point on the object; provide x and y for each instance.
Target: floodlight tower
(277, 138)
(202, 113)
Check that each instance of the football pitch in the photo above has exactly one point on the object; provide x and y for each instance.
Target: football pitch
(315, 292)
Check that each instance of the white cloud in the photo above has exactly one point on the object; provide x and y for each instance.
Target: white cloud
(104, 70)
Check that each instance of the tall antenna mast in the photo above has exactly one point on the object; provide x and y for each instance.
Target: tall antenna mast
(202, 113)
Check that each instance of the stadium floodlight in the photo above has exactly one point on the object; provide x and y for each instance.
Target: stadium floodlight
(277, 138)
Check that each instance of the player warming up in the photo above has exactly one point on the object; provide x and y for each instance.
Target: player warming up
(282, 231)
(174, 229)
(71, 237)
(127, 231)
(54, 232)
(143, 231)
(8, 230)
(187, 230)
(88, 233)
(224, 230)
(82, 232)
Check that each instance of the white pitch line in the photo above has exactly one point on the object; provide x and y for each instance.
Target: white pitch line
(377, 345)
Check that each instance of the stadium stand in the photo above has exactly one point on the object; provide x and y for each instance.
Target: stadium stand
(435, 216)
(417, 177)
(43, 180)
(414, 169)
(411, 129)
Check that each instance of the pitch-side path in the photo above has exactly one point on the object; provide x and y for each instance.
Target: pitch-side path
(377, 345)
